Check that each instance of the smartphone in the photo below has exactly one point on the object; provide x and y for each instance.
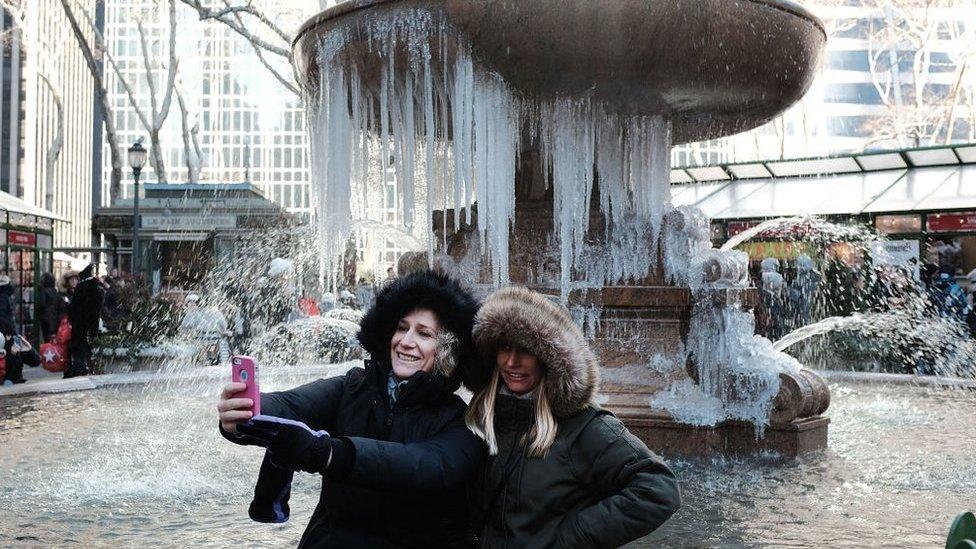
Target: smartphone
(244, 369)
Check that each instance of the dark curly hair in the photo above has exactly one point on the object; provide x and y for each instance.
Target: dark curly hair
(453, 305)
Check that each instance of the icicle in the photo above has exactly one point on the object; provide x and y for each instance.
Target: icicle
(407, 149)
(495, 157)
(384, 123)
(567, 126)
(461, 125)
(430, 132)
(443, 175)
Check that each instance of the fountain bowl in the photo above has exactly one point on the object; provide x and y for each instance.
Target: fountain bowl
(713, 67)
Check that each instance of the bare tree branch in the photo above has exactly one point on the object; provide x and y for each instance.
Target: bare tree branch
(154, 124)
(189, 139)
(54, 151)
(224, 16)
(287, 82)
(115, 184)
(232, 16)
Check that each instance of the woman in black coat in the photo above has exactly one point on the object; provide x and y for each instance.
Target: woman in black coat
(361, 431)
(84, 313)
(561, 472)
(52, 305)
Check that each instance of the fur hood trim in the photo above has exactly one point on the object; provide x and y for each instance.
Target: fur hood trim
(545, 329)
(453, 305)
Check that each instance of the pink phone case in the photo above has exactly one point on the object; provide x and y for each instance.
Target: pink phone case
(244, 369)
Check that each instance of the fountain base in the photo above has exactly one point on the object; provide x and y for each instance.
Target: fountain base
(730, 438)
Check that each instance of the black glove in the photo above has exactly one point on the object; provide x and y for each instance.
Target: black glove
(292, 444)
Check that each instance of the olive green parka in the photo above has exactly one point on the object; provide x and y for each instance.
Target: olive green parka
(599, 485)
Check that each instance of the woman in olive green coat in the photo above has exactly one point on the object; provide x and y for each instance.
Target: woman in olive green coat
(561, 472)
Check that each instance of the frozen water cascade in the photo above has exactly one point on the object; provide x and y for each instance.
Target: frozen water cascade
(737, 371)
(453, 134)
(470, 126)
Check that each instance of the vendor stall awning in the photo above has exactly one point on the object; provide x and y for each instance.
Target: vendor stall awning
(896, 190)
(11, 203)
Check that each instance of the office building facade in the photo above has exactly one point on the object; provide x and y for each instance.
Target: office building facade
(864, 96)
(251, 128)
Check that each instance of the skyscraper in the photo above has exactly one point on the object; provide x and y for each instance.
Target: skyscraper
(46, 97)
(251, 128)
(11, 107)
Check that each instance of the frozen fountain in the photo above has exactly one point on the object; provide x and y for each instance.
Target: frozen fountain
(530, 141)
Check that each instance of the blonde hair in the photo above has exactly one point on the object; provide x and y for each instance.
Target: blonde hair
(480, 419)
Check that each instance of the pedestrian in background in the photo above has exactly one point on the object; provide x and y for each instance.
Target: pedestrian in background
(6, 299)
(51, 305)
(802, 291)
(16, 352)
(84, 312)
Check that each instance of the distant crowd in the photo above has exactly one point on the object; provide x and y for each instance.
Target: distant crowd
(795, 293)
(70, 313)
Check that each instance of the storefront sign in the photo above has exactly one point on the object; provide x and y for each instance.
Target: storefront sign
(898, 224)
(207, 203)
(18, 238)
(779, 249)
(951, 222)
(189, 222)
(733, 228)
(180, 237)
(898, 253)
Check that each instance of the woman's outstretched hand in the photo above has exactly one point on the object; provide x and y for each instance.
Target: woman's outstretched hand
(292, 444)
(233, 410)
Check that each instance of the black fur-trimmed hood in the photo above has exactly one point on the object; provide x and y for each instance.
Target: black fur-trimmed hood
(455, 309)
(545, 329)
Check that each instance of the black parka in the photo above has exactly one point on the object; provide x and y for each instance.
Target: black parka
(412, 460)
(7, 303)
(598, 485)
(51, 306)
(402, 494)
(85, 308)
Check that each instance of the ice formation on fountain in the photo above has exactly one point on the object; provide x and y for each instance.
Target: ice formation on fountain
(454, 132)
(738, 371)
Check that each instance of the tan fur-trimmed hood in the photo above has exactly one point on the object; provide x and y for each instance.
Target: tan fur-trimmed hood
(535, 323)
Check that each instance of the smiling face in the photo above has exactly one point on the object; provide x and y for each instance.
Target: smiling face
(414, 343)
(520, 369)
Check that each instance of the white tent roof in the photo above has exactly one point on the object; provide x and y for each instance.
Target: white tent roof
(11, 203)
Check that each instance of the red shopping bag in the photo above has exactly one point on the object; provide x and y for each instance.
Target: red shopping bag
(64, 332)
(3, 366)
(54, 357)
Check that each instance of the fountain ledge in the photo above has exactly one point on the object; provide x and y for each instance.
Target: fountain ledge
(666, 436)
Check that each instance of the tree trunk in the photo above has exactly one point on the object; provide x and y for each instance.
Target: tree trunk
(111, 137)
(54, 151)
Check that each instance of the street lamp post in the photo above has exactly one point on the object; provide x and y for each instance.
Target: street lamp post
(137, 159)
